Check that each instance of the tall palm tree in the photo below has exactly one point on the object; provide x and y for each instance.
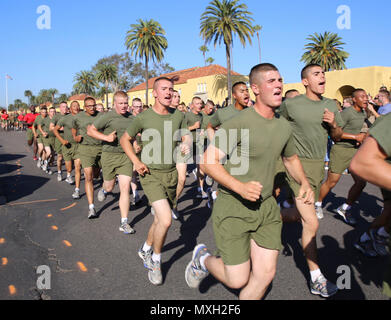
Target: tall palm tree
(325, 50)
(258, 28)
(222, 20)
(52, 93)
(107, 73)
(146, 39)
(204, 49)
(62, 97)
(85, 83)
(28, 94)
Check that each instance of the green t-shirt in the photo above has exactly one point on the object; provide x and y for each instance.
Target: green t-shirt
(254, 146)
(160, 136)
(381, 132)
(223, 115)
(309, 131)
(38, 121)
(80, 122)
(67, 123)
(56, 119)
(190, 119)
(112, 121)
(206, 119)
(45, 124)
(354, 122)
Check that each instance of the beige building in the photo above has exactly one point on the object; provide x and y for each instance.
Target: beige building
(208, 82)
(340, 84)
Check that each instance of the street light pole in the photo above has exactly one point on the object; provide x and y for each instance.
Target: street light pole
(6, 92)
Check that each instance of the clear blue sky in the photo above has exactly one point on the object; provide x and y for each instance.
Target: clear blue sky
(84, 31)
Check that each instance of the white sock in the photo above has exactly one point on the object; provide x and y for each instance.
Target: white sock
(202, 260)
(146, 247)
(123, 220)
(91, 206)
(156, 257)
(77, 189)
(214, 195)
(135, 193)
(199, 189)
(68, 174)
(39, 159)
(315, 274)
(104, 191)
(318, 204)
(346, 207)
(382, 232)
(45, 162)
(365, 237)
(59, 172)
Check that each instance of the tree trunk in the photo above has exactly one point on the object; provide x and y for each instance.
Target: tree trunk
(146, 80)
(107, 96)
(229, 81)
(259, 47)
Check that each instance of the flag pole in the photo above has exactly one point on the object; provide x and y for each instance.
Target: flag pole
(6, 92)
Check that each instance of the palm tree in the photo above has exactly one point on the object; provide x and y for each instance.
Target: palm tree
(325, 50)
(222, 20)
(258, 28)
(204, 49)
(28, 94)
(52, 93)
(62, 97)
(210, 60)
(148, 42)
(107, 73)
(85, 83)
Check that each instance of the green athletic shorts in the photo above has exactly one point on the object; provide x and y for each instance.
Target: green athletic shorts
(29, 134)
(115, 163)
(48, 142)
(340, 158)
(90, 156)
(40, 139)
(314, 171)
(70, 152)
(236, 222)
(160, 184)
(57, 146)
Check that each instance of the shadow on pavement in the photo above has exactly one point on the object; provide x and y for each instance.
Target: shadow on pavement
(10, 157)
(8, 168)
(20, 186)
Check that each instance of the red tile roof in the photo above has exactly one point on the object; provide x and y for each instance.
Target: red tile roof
(78, 97)
(186, 74)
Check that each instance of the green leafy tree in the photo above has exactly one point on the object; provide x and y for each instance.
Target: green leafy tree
(52, 93)
(85, 82)
(28, 94)
(222, 20)
(107, 74)
(204, 49)
(210, 60)
(326, 50)
(147, 41)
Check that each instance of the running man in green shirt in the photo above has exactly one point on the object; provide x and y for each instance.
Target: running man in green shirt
(246, 219)
(372, 162)
(57, 143)
(69, 147)
(48, 139)
(313, 118)
(109, 128)
(161, 130)
(38, 135)
(89, 149)
(342, 153)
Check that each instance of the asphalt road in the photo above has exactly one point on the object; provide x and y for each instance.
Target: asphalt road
(41, 225)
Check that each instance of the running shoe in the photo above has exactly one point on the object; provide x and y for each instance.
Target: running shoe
(91, 213)
(195, 173)
(174, 214)
(44, 167)
(69, 180)
(146, 256)
(379, 243)
(347, 216)
(59, 177)
(319, 212)
(202, 195)
(126, 228)
(194, 272)
(39, 164)
(101, 195)
(155, 273)
(366, 248)
(321, 286)
(76, 194)
(48, 171)
(35, 158)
